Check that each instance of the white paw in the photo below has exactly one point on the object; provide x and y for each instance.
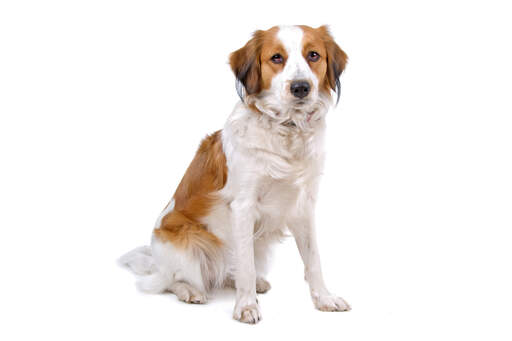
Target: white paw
(196, 299)
(330, 303)
(248, 313)
(187, 293)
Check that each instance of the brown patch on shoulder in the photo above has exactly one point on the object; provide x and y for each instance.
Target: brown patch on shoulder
(206, 174)
(195, 196)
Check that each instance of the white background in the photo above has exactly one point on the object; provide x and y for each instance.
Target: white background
(103, 103)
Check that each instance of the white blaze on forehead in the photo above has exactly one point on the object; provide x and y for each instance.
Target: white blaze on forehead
(291, 38)
(296, 67)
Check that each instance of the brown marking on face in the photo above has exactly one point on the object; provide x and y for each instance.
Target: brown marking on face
(335, 58)
(312, 41)
(245, 63)
(195, 196)
(270, 47)
(252, 64)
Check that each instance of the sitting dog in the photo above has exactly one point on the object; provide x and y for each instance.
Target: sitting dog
(253, 179)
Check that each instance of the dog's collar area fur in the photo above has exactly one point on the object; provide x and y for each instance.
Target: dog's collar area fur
(289, 123)
(292, 124)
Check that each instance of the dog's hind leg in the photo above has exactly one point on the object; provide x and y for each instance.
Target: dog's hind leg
(188, 257)
(188, 293)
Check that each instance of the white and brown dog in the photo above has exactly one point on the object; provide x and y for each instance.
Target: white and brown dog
(253, 179)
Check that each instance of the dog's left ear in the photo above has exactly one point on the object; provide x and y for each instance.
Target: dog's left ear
(246, 66)
(336, 60)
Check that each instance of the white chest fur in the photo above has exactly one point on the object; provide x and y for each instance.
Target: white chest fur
(271, 167)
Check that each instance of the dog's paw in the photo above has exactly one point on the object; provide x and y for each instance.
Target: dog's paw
(247, 313)
(330, 303)
(262, 285)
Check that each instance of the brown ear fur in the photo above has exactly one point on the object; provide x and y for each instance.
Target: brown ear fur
(336, 59)
(246, 65)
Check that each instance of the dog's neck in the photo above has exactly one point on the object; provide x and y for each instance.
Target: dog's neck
(296, 119)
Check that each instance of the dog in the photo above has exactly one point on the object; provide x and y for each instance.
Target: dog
(253, 180)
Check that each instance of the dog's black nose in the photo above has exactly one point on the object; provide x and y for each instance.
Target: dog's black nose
(299, 89)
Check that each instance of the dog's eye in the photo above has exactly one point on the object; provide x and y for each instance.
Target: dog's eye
(313, 56)
(277, 59)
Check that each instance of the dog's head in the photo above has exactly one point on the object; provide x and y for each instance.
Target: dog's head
(289, 72)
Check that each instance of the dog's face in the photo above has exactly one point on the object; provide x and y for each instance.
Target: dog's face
(288, 72)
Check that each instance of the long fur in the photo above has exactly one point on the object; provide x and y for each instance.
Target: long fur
(251, 182)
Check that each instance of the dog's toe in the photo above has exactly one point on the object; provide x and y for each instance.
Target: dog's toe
(330, 303)
(262, 285)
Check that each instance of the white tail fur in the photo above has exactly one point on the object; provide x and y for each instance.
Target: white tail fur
(139, 260)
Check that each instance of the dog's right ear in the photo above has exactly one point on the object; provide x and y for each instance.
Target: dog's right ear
(246, 66)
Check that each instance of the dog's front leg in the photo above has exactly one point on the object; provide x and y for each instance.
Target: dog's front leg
(246, 307)
(303, 230)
